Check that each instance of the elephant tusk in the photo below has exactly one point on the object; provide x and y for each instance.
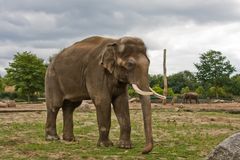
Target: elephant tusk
(139, 91)
(156, 94)
(146, 93)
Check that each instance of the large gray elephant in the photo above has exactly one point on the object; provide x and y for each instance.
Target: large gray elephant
(190, 96)
(100, 69)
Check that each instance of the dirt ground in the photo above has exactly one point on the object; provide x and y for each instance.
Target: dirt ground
(88, 105)
(19, 112)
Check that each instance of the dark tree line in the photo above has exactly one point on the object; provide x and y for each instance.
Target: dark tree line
(212, 79)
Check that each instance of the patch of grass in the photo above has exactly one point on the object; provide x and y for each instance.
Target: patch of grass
(177, 135)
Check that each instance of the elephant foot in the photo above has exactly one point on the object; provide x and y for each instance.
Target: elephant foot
(148, 148)
(105, 143)
(69, 138)
(125, 144)
(52, 137)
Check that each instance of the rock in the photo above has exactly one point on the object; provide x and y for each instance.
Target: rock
(229, 149)
(174, 99)
(84, 107)
(11, 103)
(133, 100)
(181, 105)
(177, 109)
(218, 101)
(3, 105)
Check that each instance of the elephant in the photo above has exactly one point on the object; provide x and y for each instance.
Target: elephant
(99, 69)
(189, 96)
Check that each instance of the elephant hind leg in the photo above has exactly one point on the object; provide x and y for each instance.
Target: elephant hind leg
(68, 108)
(50, 130)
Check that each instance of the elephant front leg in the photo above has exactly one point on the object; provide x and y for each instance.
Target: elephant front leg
(121, 109)
(103, 109)
(51, 131)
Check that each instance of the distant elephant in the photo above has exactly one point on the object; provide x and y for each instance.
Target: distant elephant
(189, 96)
(100, 69)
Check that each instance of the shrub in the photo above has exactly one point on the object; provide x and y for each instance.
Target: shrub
(185, 90)
(170, 92)
(131, 92)
(218, 92)
(200, 91)
(6, 95)
(158, 89)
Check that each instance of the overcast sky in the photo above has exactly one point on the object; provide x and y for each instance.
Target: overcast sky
(186, 28)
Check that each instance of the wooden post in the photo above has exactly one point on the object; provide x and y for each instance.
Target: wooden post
(165, 89)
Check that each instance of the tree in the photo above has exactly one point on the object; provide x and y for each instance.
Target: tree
(213, 70)
(182, 79)
(158, 89)
(156, 80)
(1, 84)
(185, 90)
(131, 92)
(200, 91)
(219, 90)
(170, 92)
(234, 86)
(27, 73)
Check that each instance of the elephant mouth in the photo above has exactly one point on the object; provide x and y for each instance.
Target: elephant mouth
(147, 93)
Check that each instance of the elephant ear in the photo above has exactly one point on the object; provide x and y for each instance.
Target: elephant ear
(108, 57)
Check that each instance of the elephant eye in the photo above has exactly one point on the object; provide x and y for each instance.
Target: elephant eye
(130, 64)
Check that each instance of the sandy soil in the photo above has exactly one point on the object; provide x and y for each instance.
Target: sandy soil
(86, 105)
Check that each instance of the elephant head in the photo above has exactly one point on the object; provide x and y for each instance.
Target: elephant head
(127, 61)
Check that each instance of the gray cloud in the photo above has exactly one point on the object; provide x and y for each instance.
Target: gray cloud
(186, 28)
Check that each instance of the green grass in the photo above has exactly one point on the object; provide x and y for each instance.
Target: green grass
(177, 135)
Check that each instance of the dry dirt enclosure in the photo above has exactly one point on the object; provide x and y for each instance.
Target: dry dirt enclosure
(186, 131)
(135, 105)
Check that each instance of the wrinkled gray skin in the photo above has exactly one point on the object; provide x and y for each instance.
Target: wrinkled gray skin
(189, 97)
(100, 69)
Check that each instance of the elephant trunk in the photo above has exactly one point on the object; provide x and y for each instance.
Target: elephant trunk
(142, 88)
(147, 119)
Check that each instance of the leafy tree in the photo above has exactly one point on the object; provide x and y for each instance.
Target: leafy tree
(156, 80)
(27, 72)
(219, 90)
(170, 92)
(158, 89)
(185, 90)
(182, 79)
(1, 84)
(176, 81)
(234, 86)
(200, 90)
(131, 92)
(213, 70)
